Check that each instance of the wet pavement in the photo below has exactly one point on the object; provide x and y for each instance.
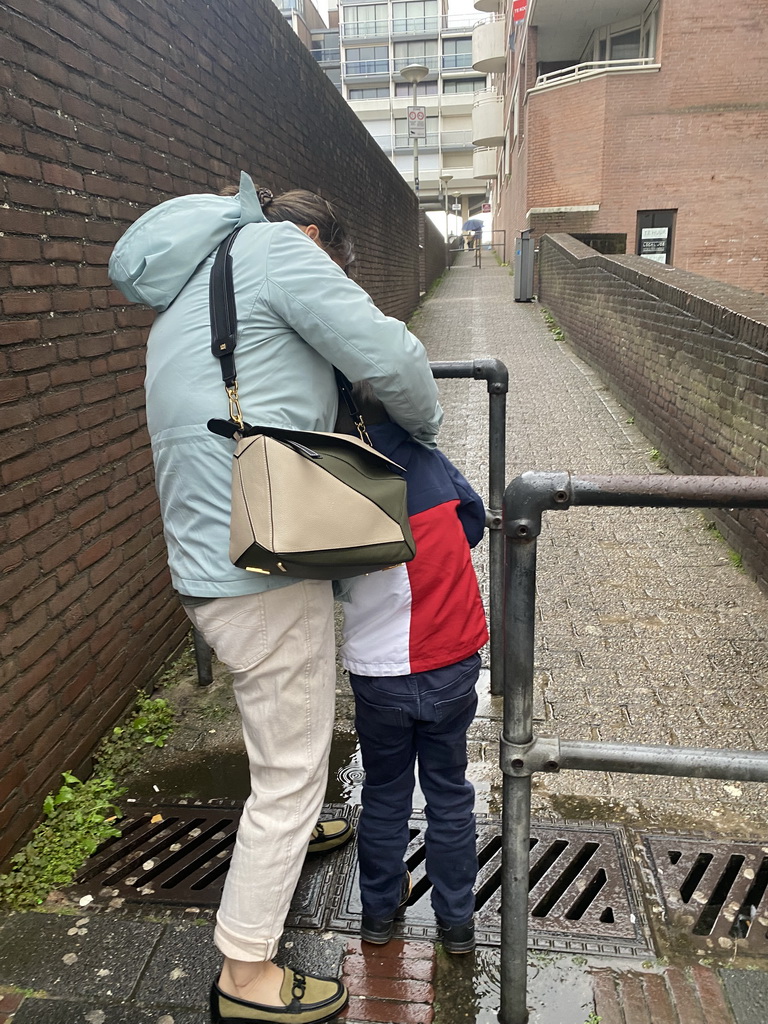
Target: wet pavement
(646, 632)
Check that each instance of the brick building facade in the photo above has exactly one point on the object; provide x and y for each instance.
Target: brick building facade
(107, 110)
(647, 122)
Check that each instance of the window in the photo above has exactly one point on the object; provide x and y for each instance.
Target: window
(369, 94)
(457, 53)
(415, 16)
(655, 231)
(423, 51)
(402, 140)
(453, 85)
(648, 41)
(625, 45)
(422, 89)
(366, 60)
(325, 46)
(366, 20)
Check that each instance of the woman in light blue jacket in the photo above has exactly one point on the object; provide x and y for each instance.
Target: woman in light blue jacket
(299, 315)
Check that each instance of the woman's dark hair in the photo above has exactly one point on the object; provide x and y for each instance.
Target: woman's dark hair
(304, 208)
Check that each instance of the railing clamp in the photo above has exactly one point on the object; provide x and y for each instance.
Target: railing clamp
(493, 518)
(540, 755)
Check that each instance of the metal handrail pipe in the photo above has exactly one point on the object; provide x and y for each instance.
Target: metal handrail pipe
(689, 762)
(551, 754)
(535, 492)
(496, 374)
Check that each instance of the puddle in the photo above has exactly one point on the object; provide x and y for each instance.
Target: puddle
(223, 775)
(467, 989)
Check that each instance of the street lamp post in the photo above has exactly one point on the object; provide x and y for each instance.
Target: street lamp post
(414, 73)
(445, 178)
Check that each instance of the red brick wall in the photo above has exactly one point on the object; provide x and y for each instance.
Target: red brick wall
(107, 109)
(687, 355)
(690, 137)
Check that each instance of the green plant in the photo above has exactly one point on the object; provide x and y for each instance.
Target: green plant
(78, 818)
(593, 1018)
(149, 725)
(654, 455)
(82, 815)
(735, 559)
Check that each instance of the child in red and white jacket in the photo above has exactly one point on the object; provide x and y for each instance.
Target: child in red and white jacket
(411, 641)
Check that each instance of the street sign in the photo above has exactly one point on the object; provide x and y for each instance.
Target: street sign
(417, 122)
(486, 207)
(456, 207)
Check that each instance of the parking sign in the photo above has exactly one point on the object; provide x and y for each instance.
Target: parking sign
(417, 122)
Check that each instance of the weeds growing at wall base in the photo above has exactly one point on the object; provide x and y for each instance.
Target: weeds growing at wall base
(82, 815)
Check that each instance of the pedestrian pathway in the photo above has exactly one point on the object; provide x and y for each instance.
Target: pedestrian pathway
(646, 632)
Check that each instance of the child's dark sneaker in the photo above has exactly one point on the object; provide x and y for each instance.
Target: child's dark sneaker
(379, 930)
(457, 938)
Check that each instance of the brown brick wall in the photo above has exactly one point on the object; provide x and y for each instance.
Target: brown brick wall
(432, 253)
(690, 137)
(107, 109)
(687, 355)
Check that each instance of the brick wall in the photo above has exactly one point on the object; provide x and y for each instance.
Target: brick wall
(108, 109)
(433, 253)
(689, 137)
(687, 355)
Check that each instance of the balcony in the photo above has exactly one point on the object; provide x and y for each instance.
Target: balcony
(327, 56)
(489, 46)
(485, 163)
(591, 69)
(488, 119)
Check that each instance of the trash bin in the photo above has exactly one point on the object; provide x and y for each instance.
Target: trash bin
(524, 267)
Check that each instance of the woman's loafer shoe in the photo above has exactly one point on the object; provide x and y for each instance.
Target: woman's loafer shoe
(379, 930)
(457, 938)
(329, 835)
(306, 999)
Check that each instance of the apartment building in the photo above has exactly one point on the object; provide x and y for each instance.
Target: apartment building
(641, 127)
(363, 50)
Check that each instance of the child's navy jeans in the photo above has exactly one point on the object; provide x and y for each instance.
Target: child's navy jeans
(402, 719)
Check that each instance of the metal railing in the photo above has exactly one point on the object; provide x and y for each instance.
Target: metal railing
(496, 375)
(522, 753)
(595, 67)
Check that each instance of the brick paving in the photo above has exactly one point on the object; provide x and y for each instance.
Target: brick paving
(389, 984)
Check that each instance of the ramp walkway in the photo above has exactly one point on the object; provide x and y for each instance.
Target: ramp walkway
(647, 632)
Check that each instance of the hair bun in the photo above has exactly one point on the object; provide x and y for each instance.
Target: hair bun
(265, 196)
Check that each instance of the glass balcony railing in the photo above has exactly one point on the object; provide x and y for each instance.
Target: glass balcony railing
(327, 56)
(356, 30)
(378, 28)
(456, 61)
(366, 68)
(432, 62)
(403, 141)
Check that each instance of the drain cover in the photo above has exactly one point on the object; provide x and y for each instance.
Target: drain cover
(581, 898)
(714, 893)
(180, 855)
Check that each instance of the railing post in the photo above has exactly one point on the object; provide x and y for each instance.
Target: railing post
(495, 373)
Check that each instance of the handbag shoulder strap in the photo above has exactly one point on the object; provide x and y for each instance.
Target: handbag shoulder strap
(221, 301)
(223, 313)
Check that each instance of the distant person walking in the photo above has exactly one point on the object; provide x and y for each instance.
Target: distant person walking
(473, 231)
(411, 637)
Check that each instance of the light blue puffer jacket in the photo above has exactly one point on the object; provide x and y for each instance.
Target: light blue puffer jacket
(298, 316)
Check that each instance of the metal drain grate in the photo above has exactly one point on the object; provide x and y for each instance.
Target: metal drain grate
(180, 855)
(714, 893)
(581, 896)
